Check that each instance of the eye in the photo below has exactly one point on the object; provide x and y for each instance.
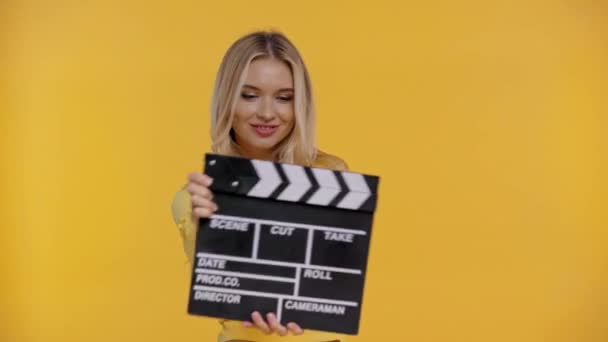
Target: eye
(285, 98)
(248, 96)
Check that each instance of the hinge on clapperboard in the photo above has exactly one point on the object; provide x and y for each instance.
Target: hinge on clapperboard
(225, 177)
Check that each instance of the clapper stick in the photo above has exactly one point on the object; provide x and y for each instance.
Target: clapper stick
(286, 239)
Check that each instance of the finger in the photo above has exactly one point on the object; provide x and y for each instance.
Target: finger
(247, 324)
(275, 324)
(201, 212)
(203, 191)
(294, 328)
(200, 178)
(259, 322)
(198, 201)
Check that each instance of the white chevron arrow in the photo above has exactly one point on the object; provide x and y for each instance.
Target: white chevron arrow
(329, 187)
(359, 191)
(269, 179)
(298, 183)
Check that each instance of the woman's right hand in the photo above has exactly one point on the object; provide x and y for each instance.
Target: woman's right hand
(273, 326)
(200, 196)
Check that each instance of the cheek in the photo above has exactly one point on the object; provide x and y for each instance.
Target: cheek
(243, 110)
(287, 115)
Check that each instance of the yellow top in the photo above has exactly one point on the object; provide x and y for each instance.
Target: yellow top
(234, 330)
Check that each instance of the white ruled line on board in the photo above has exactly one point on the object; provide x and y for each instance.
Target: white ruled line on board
(289, 224)
(244, 275)
(273, 295)
(277, 263)
(296, 288)
(256, 241)
(309, 241)
(279, 309)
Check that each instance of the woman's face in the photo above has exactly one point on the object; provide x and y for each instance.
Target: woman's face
(264, 113)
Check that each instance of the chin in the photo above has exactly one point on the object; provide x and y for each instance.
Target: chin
(266, 146)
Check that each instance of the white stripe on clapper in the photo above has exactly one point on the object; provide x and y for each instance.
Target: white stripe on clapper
(328, 187)
(269, 179)
(298, 183)
(358, 193)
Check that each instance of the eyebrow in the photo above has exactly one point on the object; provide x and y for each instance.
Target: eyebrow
(256, 88)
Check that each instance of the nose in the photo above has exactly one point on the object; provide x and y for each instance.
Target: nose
(266, 110)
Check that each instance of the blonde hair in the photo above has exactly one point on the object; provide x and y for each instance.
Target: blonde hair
(299, 146)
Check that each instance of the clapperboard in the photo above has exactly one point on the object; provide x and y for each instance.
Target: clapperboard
(286, 239)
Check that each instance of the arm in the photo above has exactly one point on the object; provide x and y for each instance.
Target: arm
(191, 203)
(181, 209)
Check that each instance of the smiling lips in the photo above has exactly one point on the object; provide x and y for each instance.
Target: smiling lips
(265, 130)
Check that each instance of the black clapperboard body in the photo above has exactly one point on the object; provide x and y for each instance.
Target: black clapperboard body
(286, 239)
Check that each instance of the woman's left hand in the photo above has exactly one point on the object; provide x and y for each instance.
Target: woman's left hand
(273, 326)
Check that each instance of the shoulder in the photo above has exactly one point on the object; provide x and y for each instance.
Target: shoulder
(328, 161)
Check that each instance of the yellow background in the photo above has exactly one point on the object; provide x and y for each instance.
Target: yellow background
(486, 120)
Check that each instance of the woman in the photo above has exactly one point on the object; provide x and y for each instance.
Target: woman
(262, 108)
